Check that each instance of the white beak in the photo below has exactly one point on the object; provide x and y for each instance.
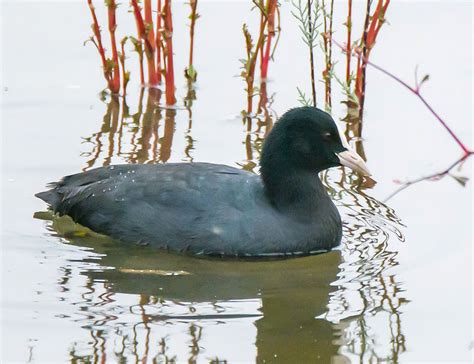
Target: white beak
(351, 159)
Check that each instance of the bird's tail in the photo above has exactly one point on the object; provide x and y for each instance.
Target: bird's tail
(51, 197)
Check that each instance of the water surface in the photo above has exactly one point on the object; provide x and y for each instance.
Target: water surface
(398, 289)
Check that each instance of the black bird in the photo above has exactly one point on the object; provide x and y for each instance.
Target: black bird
(212, 209)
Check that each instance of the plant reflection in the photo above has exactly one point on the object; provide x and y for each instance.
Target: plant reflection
(366, 270)
(143, 137)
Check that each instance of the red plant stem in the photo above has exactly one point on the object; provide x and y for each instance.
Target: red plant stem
(168, 34)
(371, 29)
(100, 47)
(377, 21)
(380, 22)
(374, 21)
(115, 84)
(151, 36)
(415, 91)
(348, 52)
(252, 63)
(149, 50)
(423, 100)
(271, 7)
(149, 24)
(158, 46)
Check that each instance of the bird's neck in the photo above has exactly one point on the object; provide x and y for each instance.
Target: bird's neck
(293, 190)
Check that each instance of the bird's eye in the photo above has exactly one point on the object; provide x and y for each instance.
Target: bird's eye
(327, 137)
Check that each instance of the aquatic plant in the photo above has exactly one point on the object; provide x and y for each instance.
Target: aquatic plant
(372, 25)
(307, 14)
(153, 44)
(110, 66)
(190, 71)
(158, 46)
(267, 31)
(327, 47)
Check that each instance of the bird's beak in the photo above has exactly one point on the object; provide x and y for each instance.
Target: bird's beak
(351, 159)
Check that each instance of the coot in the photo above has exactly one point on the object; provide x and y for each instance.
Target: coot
(212, 209)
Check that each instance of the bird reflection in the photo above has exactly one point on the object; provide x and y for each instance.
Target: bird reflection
(281, 298)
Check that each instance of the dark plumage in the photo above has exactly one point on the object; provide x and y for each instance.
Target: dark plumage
(213, 209)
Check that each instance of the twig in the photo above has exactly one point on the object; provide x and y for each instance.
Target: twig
(414, 90)
(270, 12)
(434, 176)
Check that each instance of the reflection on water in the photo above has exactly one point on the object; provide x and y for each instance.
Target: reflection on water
(367, 290)
(146, 306)
(143, 137)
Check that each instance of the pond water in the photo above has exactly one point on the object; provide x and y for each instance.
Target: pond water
(399, 289)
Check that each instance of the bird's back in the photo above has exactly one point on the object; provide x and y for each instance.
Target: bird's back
(199, 208)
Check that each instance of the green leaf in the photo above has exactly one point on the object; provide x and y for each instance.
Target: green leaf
(462, 180)
(190, 73)
(424, 79)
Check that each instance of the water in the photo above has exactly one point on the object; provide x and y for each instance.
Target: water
(398, 289)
